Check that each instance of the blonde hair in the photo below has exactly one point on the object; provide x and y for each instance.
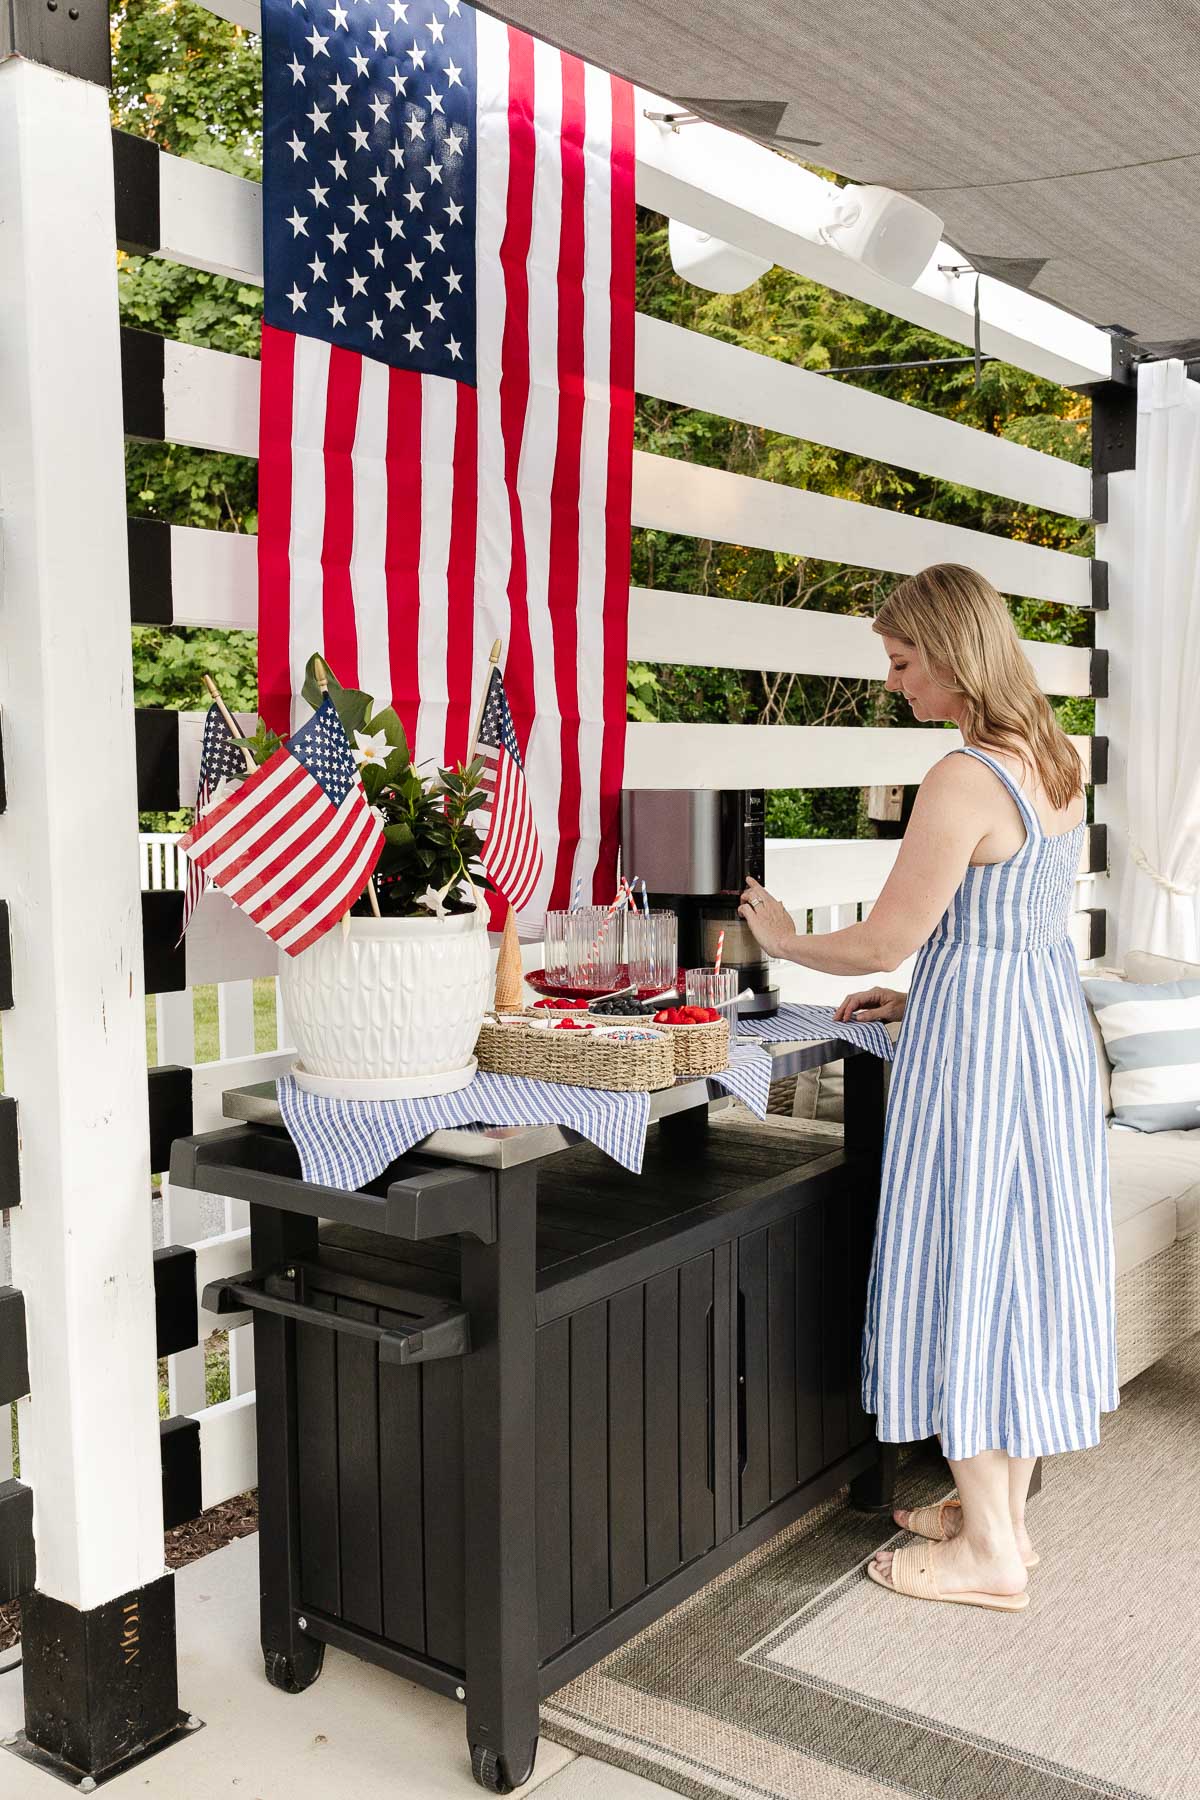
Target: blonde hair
(960, 628)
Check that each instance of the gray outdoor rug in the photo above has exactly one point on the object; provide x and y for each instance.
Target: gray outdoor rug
(794, 1675)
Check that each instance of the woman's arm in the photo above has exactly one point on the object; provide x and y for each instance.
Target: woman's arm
(943, 830)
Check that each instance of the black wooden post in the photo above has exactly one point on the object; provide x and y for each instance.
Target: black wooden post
(498, 1292)
(291, 1657)
(864, 1111)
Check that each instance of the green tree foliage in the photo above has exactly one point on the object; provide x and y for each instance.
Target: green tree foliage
(191, 82)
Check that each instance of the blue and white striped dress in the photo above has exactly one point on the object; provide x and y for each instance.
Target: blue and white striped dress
(991, 1315)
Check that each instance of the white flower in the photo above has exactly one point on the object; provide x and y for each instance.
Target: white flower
(371, 749)
(435, 900)
(378, 813)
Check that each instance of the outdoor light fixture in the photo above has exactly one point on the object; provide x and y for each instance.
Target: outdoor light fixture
(883, 230)
(709, 262)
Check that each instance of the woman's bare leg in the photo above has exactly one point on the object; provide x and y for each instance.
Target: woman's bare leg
(984, 1555)
(1020, 1474)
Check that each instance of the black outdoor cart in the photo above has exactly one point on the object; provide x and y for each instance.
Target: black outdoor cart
(514, 1402)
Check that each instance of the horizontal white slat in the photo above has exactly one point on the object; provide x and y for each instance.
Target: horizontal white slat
(749, 756)
(214, 582)
(741, 509)
(741, 191)
(214, 578)
(689, 369)
(228, 1457)
(210, 399)
(210, 1080)
(213, 220)
(211, 402)
(834, 871)
(217, 1258)
(210, 219)
(667, 627)
(735, 189)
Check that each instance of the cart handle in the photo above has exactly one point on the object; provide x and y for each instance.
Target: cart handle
(446, 1333)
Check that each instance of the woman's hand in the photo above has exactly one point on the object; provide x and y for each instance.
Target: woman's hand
(872, 1003)
(769, 919)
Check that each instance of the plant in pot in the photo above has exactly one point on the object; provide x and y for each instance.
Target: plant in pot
(392, 1005)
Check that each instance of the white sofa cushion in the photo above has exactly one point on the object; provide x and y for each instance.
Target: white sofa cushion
(1141, 965)
(1155, 1183)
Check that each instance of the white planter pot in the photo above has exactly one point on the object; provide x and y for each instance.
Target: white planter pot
(396, 1002)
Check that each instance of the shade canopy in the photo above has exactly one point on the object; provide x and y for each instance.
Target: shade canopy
(1059, 142)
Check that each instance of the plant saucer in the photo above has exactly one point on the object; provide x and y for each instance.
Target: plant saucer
(390, 1087)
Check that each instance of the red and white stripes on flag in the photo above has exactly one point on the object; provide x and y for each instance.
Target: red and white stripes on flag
(512, 851)
(407, 520)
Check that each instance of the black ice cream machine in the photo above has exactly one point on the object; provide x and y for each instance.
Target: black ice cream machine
(694, 848)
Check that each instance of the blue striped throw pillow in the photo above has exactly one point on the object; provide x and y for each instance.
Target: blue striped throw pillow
(1152, 1040)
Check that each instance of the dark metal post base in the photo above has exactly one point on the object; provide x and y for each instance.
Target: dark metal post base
(100, 1686)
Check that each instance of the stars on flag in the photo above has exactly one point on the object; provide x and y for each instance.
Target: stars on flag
(382, 125)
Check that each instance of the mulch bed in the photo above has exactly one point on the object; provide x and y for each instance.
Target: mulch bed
(235, 1518)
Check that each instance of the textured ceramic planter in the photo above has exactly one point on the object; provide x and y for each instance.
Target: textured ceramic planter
(395, 1000)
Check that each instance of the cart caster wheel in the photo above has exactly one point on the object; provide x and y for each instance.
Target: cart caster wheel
(491, 1770)
(290, 1674)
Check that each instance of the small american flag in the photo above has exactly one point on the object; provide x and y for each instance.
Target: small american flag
(512, 854)
(220, 760)
(294, 847)
(446, 417)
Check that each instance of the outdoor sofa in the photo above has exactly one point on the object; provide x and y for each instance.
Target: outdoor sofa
(1155, 1181)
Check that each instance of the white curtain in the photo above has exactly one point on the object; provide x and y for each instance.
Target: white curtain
(1159, 908)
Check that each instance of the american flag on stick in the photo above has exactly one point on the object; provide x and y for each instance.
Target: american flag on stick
(446, 419)
(220, 760)
(294, 847)
(512, 854)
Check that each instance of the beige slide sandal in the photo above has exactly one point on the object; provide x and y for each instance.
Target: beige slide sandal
(912, 1574)
(929, 1522)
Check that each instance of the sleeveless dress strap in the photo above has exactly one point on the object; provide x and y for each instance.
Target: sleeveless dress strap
(1032, 823)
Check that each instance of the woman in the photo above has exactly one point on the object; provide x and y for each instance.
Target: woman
(990, 1307)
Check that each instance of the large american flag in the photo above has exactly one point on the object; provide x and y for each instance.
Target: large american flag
(447, 374)
(220, 761)
(512, 852)
(295, 844)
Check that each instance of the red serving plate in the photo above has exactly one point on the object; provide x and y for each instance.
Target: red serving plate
(538, 982)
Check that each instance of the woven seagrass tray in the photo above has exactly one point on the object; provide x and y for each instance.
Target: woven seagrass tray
(699, 1049)
(581, 1058)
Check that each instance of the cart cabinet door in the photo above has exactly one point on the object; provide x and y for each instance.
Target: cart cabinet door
(780, 1428)
(629, 1418)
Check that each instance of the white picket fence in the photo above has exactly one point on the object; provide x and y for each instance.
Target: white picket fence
(161, 863)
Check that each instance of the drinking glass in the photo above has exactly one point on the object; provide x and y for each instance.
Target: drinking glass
(593, 949)
(651, 948)
(555, 944)
(715, 987)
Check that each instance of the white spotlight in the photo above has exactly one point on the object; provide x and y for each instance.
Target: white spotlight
(709, 262)
(884, 230)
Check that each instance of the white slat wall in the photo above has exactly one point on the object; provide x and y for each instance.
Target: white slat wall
(211, 220)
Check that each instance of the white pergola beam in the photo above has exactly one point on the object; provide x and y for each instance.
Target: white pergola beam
(74, 1043)
(738, 190)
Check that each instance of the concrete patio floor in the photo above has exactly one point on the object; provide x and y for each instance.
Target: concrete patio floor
(358, 1731)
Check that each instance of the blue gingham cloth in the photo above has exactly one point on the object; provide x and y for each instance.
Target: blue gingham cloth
(817, 1022)
(344, 1143)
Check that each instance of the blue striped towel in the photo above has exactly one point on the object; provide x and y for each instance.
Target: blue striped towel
(345, 1143)
(793, 1021)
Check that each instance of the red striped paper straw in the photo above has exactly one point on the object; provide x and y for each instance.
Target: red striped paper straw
(720, 947)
